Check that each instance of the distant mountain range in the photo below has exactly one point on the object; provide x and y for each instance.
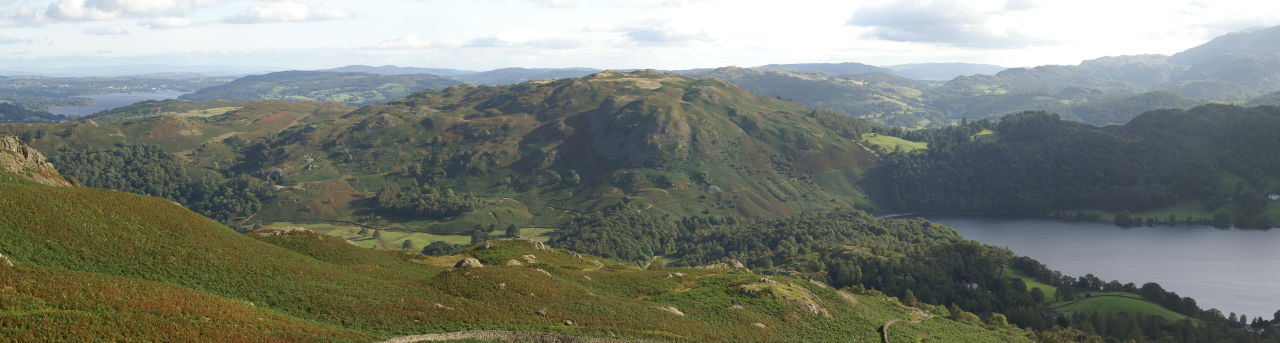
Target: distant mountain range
(349, 88)
(1109, 90)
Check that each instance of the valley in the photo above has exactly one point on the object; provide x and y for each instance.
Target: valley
(639, 171)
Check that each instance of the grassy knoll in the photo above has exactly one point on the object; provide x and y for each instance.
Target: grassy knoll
(1050, 292)
(887, 144)
(1108, 303)
(1096, 302)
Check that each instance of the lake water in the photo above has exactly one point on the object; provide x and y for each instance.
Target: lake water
(1231, 270)
(103, 102)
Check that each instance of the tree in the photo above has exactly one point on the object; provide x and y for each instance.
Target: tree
(1037, 295)
(513, 231)
(439, 248)
(479, 234)
(998, 320)
(377, 234)
(407, 245)
(910, 299)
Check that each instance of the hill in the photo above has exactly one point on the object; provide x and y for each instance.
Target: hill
(13, 113)
(1122, 110)
(349, 88)
(396, 70)
(20, 162)
(1258, 41)
(1208, 159)
(845, 68)
(942, 71)
(1269, 99)
(884, 98)
(81, 262)
(442, 162)
(670, 142)
(1106, 90)
(507, 76)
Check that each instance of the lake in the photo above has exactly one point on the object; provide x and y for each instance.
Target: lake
(103, 102)
(1228, 269)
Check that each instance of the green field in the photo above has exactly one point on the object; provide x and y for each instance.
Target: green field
(887, 144)
(1050, 292)
(393, 239)
(1114, 303)
(1096, 302)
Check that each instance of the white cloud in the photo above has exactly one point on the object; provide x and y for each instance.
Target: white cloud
(662, 34)
(555, 3)
(80, 10)
(6, 40)
(951, 22)
(410, 42)
(286, 12)
(106, 31)
(21, 16)
(543, 43)
(169, 23)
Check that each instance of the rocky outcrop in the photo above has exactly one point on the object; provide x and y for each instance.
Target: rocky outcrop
(510, 336)
(469, 263)
(282, 231)
(21, 160)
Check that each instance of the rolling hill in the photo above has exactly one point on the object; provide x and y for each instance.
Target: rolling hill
(521, 154)
(942, 71)
(1210, 162)
(669, 143)
(87, 264)
(350, 88)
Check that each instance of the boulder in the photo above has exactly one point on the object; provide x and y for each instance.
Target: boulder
(530, 259)
(539, 245)
(469, 263)
(5, 262)
(673, 310)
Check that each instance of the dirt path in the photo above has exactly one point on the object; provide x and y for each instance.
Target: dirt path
(884, 330)
(520, 336)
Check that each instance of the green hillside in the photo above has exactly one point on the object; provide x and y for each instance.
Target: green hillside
(349, 88)
(442, 162)
(87, 260)
(1207, 165)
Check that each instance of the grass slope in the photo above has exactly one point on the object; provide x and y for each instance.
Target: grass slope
(89, 260)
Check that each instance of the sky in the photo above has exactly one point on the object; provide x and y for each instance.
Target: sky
(97, 35)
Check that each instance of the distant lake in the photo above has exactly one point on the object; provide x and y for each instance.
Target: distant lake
(1231, 270)
(103, 102)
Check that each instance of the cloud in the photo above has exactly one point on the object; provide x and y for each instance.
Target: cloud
(410, 42)
(1020, 5)
(287, 12)
(555, 3)
(6, 40)
(85, 10)
(949, 22)
(21, 16)
(543, 43)
(162, 23)
(661, 34)
(106, 31)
